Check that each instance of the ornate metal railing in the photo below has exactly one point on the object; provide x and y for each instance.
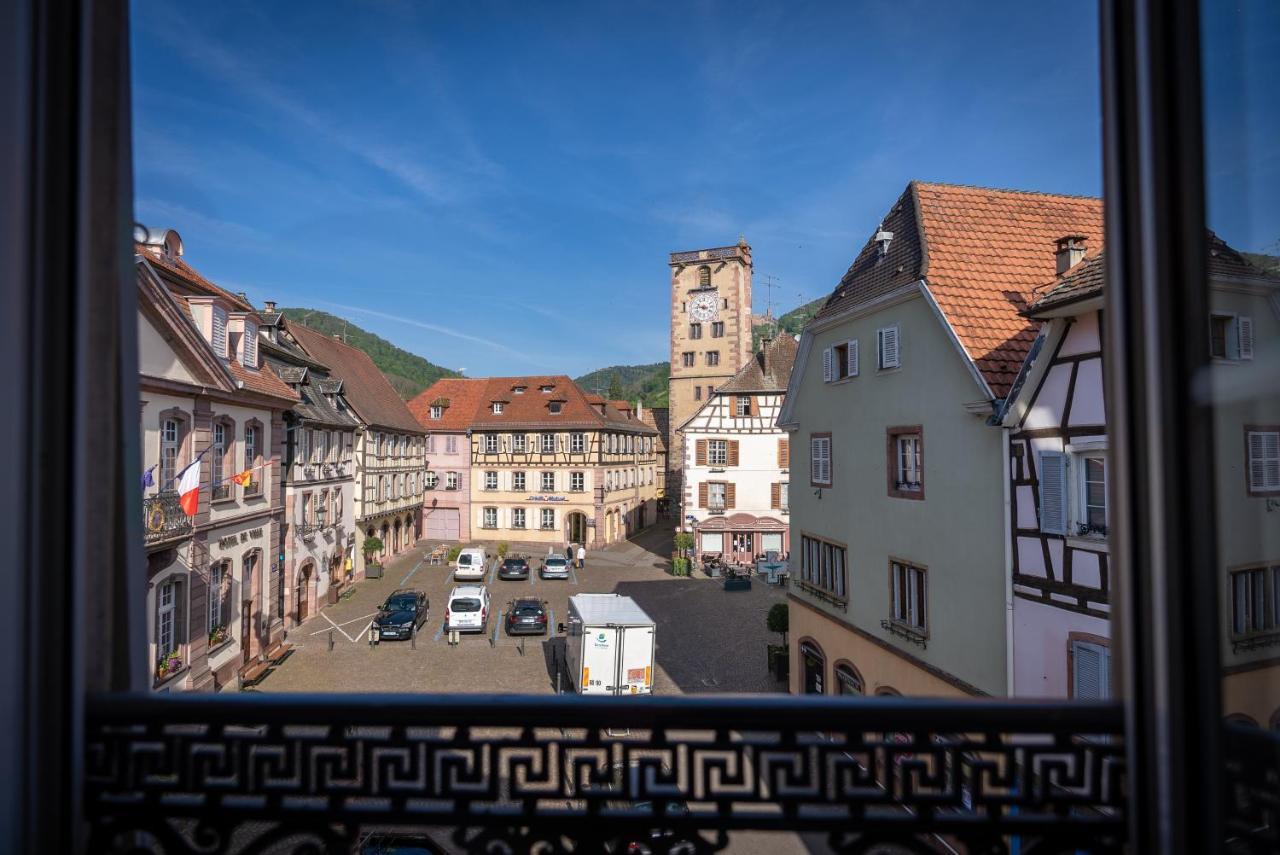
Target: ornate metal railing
(1253, 790)
(163, 519)
(252, 773)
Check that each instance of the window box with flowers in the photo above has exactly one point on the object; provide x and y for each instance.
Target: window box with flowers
(169, 665)
(218, 636)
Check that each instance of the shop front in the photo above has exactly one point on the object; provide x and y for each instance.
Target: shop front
(741, 539)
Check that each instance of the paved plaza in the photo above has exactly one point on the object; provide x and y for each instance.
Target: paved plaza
(708, 640)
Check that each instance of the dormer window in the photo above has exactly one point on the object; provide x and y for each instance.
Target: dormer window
(555, 407)
(437, 411)
(497, 408)
(518, 390)
(250, 345)
(546, 390)
(219, 331)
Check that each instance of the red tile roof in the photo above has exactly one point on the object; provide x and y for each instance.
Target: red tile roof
(461, 398)
(262, 380)
(364, 387)
(184, 271)
(981, 252)
(529, 409)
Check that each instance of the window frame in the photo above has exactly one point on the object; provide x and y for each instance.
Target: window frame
(1250, 488)
(544, 515)
(815, 479)
(820, 572)
(488, 517)
(894, 437)
(882, 364)
(906, 620)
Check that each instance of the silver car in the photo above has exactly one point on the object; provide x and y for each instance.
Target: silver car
(555, 567)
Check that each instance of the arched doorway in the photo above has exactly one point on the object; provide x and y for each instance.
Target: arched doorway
(813, 669)
(251, 599)
(302, 593)
(395, 539)
(576, 527)
(848, 680)
(386, 541)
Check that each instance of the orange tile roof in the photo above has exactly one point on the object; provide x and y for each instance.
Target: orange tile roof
(982, 253)
(465, 395)
(529, 409)
(262, 380)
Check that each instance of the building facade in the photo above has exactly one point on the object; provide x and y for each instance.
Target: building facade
(1057, 465)
(446, 410)
(710, 334)
(551, 464)
(738, 462)
(898, 581)
(318, 474)
(213, 580)
(389, 455)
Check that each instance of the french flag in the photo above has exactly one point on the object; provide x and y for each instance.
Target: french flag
(189, 489)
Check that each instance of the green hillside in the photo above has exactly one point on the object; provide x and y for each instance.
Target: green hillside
(407, 372)
(1266, 263)
(646, 383)
(792, 322)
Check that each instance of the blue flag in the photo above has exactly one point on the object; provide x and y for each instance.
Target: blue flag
(147, 479)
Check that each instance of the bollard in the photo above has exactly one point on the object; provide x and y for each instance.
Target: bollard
(413, 637)
(330, 641)
(521, 646)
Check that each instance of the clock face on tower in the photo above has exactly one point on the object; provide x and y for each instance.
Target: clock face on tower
(705, 307)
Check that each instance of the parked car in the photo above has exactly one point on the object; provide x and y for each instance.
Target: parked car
(471, 564)
(467, 609)
(403, 612)
(527, 616)
(514, 568)
(554, 567)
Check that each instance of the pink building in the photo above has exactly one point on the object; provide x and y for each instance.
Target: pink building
(446, 410)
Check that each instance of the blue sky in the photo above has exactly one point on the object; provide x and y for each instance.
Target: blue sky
(496, 186)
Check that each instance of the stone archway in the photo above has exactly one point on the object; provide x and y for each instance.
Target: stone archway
(396, 532)
(302, 587)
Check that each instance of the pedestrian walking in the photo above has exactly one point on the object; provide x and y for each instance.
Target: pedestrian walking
(582, 556)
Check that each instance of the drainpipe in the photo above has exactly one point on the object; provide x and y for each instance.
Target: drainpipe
(1008, 561)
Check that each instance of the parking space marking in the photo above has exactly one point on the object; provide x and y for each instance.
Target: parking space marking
(440, 631)
(339, 627)
(415, 569)
(344, 623)
(493, 571)
(498, 626)
(551, 624)
(573, 574)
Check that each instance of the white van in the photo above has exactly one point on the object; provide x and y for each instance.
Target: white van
(472, 563)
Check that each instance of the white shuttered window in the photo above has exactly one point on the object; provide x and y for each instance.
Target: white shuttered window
(1264, 460)
(1090, 671)
(820, 460)
(219, 330)
(1053, 492)
(887, 347)
(827, 373)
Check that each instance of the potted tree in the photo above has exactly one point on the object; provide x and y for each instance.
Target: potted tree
(680, 562)
(779, 620)
(503, 549)
(372, 546)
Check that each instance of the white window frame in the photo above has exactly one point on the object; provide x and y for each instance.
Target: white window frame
(577, 442)
(577, 481)
(217, 577)
(738, 409)
(433, 479)
(170, 433)
(490, 480)
(517, 517)
(451, 480)
(907, 611)
(490, 443)
(437, 412)
(547, 519)
(547, 482)
(907, 462)
(497, 408)
(784, 496)
(518, 481)
(555, 407)
(489, 517)
(718, 452)
(166, 617)
(714, 502)
(517, 442)
(1238, 344)
(547, 443)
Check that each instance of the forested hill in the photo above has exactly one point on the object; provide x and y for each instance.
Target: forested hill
(407, 372)
(645, 383)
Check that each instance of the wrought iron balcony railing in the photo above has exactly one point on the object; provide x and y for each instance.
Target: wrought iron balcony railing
(164, 520)
(282, 773)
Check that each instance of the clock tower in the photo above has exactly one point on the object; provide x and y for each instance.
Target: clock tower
(710, 334)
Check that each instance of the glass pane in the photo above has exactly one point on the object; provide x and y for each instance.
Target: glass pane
(1242, 124)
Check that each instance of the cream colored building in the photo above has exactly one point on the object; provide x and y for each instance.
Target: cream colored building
(214, 584)
(551, 464)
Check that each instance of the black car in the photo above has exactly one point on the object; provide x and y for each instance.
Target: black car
(514, 568)
(403, 611)
(526, 616)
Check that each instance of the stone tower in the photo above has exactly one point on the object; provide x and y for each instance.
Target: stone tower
(710, 335)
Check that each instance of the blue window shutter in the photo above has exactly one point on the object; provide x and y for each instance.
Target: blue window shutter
(1053, 492)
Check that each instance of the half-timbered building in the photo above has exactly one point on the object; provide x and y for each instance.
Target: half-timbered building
(1056, 465)
(738, 462)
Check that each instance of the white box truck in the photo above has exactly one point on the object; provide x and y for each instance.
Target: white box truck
(609, 645)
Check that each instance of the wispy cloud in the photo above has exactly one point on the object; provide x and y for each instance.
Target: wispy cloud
(392, 160)
(437, 328)
(166, 213)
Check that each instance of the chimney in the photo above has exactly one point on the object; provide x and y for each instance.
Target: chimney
(1069, 252)
(243, 296)
(268, 305)
(338, 336)
(883, 239)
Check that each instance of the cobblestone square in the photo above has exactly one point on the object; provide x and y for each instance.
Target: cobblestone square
(708, 640)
